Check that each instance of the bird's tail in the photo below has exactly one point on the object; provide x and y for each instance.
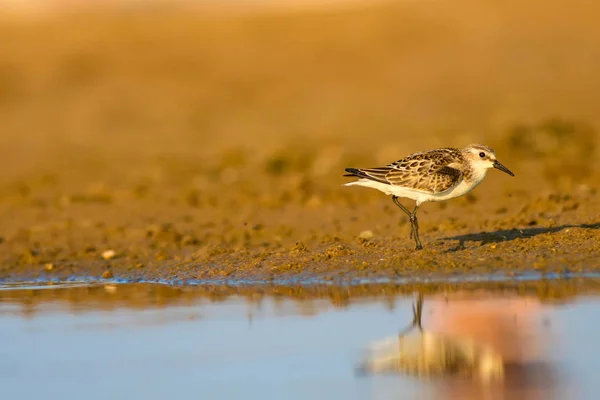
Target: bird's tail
(355, 172)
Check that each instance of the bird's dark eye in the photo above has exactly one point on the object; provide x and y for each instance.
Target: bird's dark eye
(482, 154)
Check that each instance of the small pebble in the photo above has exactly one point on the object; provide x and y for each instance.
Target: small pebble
(49, 267)
(109, 254)
(107, 274)
(366, 235)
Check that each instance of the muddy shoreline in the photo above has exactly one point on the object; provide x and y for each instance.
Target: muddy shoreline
(325, 253)
(351, 234)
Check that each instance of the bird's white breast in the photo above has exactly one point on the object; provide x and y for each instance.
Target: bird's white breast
(463, 187)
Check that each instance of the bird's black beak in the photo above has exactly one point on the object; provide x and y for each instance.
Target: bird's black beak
(502, 168)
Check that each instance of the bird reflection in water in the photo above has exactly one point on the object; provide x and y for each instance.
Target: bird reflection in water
(473, 347)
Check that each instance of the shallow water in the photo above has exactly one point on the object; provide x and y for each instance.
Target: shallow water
(153, 342)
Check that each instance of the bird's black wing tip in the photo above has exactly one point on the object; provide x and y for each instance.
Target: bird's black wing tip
(355, 172)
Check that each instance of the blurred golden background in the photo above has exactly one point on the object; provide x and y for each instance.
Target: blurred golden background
(227, 126)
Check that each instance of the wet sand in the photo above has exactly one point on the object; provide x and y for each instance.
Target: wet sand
(133, 153)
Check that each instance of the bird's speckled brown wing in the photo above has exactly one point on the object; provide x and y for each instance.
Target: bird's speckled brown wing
(432, 172)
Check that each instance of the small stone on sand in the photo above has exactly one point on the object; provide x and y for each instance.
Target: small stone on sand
(366, 235)
(109, 254)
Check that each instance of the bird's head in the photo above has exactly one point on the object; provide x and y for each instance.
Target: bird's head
(483, 157)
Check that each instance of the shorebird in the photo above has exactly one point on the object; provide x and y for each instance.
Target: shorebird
(434, 175)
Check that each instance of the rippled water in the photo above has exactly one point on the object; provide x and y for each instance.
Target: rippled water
(152, 342)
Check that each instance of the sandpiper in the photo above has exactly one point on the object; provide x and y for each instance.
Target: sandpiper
(434, 175)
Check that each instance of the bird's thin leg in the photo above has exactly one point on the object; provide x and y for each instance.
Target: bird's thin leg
(408, 213)
(397, 202)
(414, 222)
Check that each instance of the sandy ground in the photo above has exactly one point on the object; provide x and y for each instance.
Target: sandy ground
(175, 145)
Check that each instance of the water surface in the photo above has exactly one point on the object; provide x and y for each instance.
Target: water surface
(153, 342)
